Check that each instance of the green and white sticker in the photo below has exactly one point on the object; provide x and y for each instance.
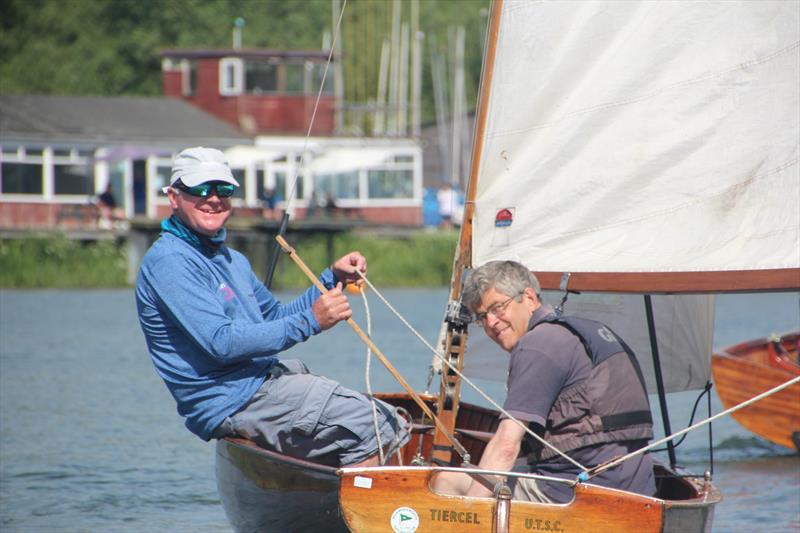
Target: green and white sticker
(404, 520)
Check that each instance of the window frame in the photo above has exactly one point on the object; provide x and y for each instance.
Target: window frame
(235, 85)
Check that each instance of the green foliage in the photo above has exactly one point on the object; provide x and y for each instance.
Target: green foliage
(110, 47)
(421, 260)
(60, 262)
(424, 259)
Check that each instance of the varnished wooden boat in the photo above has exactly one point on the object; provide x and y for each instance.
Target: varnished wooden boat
(749, 368)
(395, 491)
(267, 491)
(598, 176)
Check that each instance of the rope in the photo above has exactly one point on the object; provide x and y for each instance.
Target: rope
(470, 383)
(706, 391)
(375, 424)
(316, 106)
(586, 474)
(602, 468)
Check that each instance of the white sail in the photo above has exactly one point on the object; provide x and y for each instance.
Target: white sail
(644, 137)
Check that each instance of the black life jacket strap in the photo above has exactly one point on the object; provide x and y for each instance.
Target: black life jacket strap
(621, 420)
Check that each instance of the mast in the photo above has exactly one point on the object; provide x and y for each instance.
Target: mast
(457, 320)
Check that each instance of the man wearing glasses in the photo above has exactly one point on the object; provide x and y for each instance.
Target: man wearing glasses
(214, 332)
(570, 380)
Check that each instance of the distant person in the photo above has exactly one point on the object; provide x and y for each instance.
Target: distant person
(215, 333)
(109, 213)
(268, 203)
(330, 205)
(447, 198)
(591, 406)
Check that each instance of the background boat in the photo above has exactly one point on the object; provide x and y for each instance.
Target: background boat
(747, 369)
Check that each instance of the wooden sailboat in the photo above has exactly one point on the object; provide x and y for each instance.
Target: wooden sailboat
(749, 368)
(621, 148)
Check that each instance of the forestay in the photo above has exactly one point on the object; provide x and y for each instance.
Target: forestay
(642, 137)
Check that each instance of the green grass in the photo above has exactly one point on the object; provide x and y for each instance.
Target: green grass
(54, 261)
(58, 262)
(421, 260)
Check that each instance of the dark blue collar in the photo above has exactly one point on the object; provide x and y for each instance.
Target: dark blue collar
(208, 246)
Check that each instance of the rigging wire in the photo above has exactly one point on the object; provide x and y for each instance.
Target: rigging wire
(754, 399)
(469, 382)
(587, 473)
(302, 166)
(285, 218)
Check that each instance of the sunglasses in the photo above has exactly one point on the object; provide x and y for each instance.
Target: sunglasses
(224, 190)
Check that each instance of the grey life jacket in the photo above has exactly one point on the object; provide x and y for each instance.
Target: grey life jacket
(611, 405)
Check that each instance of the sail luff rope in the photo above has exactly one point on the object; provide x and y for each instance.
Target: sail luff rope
(314, 111)
(467, 380)
(754, 399)
(369, 385)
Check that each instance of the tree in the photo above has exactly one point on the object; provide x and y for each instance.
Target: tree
(110, 47)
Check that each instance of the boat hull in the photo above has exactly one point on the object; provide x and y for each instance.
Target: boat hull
(747, 369)
(266, 491)
(373, 499)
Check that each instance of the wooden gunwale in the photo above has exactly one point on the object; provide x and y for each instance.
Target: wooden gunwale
(747, 369)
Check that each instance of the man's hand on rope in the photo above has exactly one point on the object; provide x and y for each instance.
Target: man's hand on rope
(346, 268)
(331, 308)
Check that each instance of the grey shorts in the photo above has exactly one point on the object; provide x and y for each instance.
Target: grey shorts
(312, 417)
(527, 489)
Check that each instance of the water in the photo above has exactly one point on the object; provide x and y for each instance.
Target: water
(90, 441)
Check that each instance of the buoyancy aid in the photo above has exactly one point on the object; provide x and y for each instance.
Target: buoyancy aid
(611, 405)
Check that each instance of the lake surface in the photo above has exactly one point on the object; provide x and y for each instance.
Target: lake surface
(90, 440)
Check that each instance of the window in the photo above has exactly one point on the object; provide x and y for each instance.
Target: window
(230, 76)
(319, 71)
(75, 178)
(238, 175)
(260, 185)
(295, 78)
(260, 77)
(280, 186)
(72, 174)
(21, 178)
(390, 183)
(341, 185)
(161, 178)
(188, 77)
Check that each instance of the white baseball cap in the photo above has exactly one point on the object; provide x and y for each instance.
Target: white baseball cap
(197, 165)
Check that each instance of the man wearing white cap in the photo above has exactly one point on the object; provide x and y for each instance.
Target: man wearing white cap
(214, 331)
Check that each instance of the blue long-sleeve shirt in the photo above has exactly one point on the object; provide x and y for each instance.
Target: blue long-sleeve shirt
(213, 329)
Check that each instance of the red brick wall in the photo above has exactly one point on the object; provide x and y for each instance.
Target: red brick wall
(399, 216)
(269, 113)
(45, 216)
(171, 83)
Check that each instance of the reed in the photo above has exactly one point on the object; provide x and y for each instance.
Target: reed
(54, 261)
(58, 262)
(419, 260)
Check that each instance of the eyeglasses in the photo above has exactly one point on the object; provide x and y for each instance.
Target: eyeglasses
(224, 190)
(497, 310)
